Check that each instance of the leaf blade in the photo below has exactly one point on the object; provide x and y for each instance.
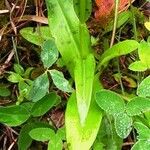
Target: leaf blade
(49, 53)
(59, 81)
(110, 102)
(84, 76)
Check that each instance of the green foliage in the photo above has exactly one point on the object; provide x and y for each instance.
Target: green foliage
(20, 76)
(41, 134)
(121, 48)
(72, 38)
(144, 137)
(144, 63)
(83, 9)
(144, 88)
(44, 104)
(46, 134)
(39, 88)
(14, 115)
(68, 34)
(49, 53)
(18, 69)
(122, 19)
(60, 82)
(123, 125)
(36, 35)
(4, 91)
(113, 104)
(137, 106)
(82, 136)
(24, 139)
(107, 139)
(14, 77)
(84, 76)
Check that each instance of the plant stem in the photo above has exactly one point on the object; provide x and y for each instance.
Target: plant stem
(115, 23)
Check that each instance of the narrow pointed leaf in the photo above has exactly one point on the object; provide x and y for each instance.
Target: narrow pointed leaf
(121, 48)
(83, 136)
(79, 136)
(59, 81)
(49, 53)
(84, 76)
(110, 102)
(72, 38)
(83, 9)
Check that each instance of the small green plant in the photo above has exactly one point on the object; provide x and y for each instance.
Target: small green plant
(55, 139)
(89, 106)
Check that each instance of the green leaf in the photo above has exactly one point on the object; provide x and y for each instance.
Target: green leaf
(13, 115)
(28, 72)
(55, 143)
(122, 19)
(137, 106)
(84, 76)
(24, 139)
(42, 134)
(24, 88)
(141, 145)
(39, 88)
(83, 9)
(143, 89)
(4, 91)
(44, 104)
(18, 69)
(36, 35)
(61, 133)
(49, 53)
(14, 77)
(59, 81)
(137, 66)
(121, 48)
(107, 136)
(123, 125)
(72, 38)
(79, 136)
(143, 131)
(110, 102)
(82, 137)
(144, 52)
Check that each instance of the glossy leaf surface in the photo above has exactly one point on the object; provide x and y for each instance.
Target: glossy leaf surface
(13, 115)
(84, 76)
